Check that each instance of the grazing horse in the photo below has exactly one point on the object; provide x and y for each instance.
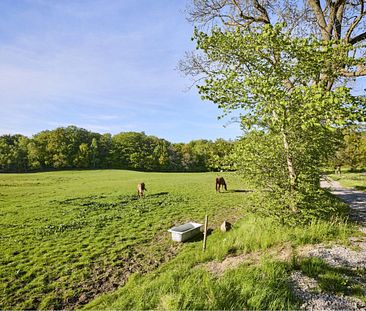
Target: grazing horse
(140, 189)
(220, 183)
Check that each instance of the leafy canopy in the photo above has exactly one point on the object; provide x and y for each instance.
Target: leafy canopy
(276, 80)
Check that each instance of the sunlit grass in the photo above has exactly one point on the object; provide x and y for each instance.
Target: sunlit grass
(351, 180)
(260, 283)
(68, 236)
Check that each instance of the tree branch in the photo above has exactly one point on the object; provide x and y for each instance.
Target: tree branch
(333, 7)
(354, 25)
(338, 22)
(352, 74)
(358, 38)
(263, 18)
(263, 11)
(315, 4)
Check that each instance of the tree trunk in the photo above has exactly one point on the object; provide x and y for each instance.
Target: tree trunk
(290, 164)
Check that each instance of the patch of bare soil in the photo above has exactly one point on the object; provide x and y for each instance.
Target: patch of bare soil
(218, 268)
(104, 279)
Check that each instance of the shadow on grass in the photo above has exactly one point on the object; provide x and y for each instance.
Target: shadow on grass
(237, 190)
(157, 194)
(362, 188)
(337, 280)
(199, 237)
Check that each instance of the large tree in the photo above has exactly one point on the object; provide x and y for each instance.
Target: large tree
(284, 65)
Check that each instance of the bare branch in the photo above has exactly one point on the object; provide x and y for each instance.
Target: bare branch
(354, 24)
(360, 72)
(333, 7)
(229, 12)
(358, 38)
(194, 65)
(248, 19)
(338, 21)
(263, 12)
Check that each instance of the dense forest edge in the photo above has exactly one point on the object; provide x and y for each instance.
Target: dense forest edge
(72, 147)
(76, 148)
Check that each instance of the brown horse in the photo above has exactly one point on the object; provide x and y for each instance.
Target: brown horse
(140, 189)
(220, 183)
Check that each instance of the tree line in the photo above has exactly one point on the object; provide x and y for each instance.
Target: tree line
(76, 148)
(352, 151)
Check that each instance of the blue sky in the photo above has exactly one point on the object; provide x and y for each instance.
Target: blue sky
(104, 65)
(107, 66)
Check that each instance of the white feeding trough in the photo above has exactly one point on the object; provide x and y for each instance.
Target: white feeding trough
(185, 232)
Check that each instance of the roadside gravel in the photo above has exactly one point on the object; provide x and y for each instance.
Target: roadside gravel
(352, 257)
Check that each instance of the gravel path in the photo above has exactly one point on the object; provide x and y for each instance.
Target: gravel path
(354, 198)
(353, 258)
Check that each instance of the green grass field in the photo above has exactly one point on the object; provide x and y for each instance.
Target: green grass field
(351, 180)
(82, 239)
(69, 236)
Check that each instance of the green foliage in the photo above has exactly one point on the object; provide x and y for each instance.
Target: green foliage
(281, 86)
(352, 151)
(74, 147)
(261, 157)
(276, 78)
(317, 204)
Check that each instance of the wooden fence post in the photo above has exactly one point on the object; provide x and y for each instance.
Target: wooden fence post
(205, 233)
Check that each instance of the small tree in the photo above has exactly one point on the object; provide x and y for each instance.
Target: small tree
(94, 151)
(276, 82)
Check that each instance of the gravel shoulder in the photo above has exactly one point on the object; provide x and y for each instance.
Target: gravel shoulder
(351, 258)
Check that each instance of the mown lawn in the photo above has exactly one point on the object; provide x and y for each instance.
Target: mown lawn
(67, 237)
(351, 180)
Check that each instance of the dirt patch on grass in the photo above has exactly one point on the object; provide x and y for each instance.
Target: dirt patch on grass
(217, 268)
(104, 279)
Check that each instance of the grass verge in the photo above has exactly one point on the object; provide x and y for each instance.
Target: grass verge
(262, 283)
(351, 180)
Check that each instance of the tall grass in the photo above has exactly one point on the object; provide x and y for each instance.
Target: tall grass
(185, 283)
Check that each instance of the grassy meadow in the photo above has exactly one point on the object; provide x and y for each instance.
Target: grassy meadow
(82, 239)
(69, 236)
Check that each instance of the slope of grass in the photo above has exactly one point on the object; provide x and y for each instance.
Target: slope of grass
(263, 284)
(69, 236)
